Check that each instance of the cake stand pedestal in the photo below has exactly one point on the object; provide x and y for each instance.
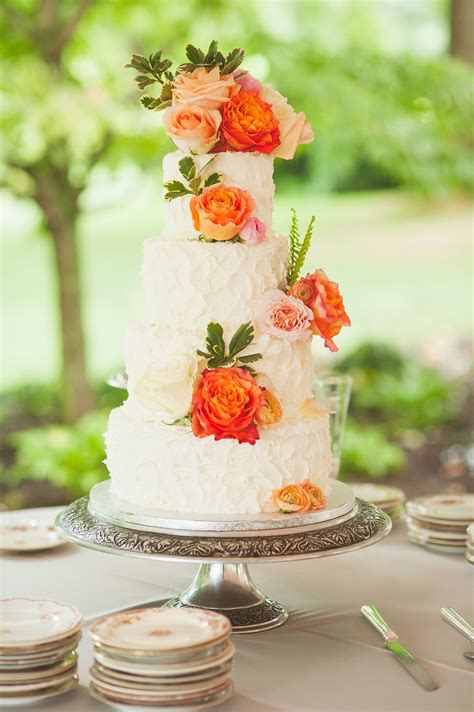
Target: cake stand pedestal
(224, 548)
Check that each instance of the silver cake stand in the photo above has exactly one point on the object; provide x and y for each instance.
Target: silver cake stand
(224, 547)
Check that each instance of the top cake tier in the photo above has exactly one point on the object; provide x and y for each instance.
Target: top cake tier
(251, 172)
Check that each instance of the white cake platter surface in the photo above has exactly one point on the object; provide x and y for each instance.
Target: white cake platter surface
(104, 505)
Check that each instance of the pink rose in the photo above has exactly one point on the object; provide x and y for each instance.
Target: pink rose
(253, 232)
(193, 129)
(203, 88)
(249, 83)
(294, 128)
(283, 316)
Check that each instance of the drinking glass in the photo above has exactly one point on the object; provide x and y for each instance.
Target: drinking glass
(334, 393)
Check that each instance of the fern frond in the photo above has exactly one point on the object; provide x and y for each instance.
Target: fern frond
(297, 264)
(294, 239)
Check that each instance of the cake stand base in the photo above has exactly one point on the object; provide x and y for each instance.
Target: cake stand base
(228, 589)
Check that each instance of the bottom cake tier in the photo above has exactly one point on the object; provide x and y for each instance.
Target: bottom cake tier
(167, 467)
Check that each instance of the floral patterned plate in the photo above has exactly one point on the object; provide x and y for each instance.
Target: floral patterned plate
(24, 686)
(195, 654)
(32, 674)
(141, 667)
(26, 622)
(154, 630)
(18, 533)
(443, 508)
(108, 674)
(128, 705)
(22, 698)
(160, 692)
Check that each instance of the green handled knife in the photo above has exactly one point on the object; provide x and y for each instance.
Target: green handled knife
(411, 665)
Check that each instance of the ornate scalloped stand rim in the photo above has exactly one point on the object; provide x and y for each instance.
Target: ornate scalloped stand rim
(222, 582)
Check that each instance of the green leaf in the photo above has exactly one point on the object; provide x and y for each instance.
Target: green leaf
(211, 52)
(204, 354)
(195, 185)
(250, 358)
(187, 167)
(166, 92)
(213, 179)
(233, 60)
(175, 185)
(241, 339)
(143, 81)
(300, 253)
(215, 341)
(195, 55)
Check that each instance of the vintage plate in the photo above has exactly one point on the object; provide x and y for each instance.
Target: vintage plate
(41, 650)
(440, 547)
(443, 508)
(145, 631)
(32, 674)
(28, 621)
(126, 678)
(159, 691)
(198, 653)
(127, 705)
(425, 530)
(27, 533)
(20, 698)
(138, 696)
(470, 532)
(7, 689)
(141, 668)
(381, 495)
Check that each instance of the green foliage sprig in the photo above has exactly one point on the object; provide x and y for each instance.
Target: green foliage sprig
(217, 354)
(298, 248)
(195, 180)
(153, 70)
(212, 58)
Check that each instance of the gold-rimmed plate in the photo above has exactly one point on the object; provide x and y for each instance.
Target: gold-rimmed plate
(443, 508)
(42, 673)
(111, 675)
(27, 622)
(124, 703)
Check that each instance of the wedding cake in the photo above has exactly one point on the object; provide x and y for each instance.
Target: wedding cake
(220, 416)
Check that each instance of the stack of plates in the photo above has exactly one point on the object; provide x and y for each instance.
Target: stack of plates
(439, 522)
(470, 544)
(38, 638)
(390, 499)
(164, 658)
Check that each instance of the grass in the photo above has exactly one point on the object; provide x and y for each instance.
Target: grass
(403, 264)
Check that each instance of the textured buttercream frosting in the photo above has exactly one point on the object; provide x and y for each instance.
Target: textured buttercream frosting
(252, 172)
(167, 467)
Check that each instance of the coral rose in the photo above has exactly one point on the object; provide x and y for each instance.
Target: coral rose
(318, 500)
(249, 83)
(293, 498)
(219, 213)
(271, 412)
(304, 289)
(193, 129)
(294, 128)
(208, 90)
(225, 405)
(249, 124)
(284, 316)
(329, 314)
(253, 232)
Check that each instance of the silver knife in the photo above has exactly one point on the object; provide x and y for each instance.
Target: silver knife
(401, 653)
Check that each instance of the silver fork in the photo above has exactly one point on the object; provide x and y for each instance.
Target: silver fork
(458, 622)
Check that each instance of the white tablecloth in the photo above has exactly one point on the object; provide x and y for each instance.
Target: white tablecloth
(327, 657)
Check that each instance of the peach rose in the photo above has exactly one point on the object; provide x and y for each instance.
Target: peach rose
(219, 213)
(271, 412)
(249, 124)
(193, 129)
(293, 498)
(304, 289)
(329, 313)
(294, 128)
(318, 500)
(283, 316)
(200, 87)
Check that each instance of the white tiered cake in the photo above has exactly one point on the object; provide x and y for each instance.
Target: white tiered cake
(168, 447)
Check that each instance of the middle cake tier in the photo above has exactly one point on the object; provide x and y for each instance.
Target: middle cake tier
(189, 283)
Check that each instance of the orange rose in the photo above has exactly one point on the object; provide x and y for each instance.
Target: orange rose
(318, 500)
(328, 309)
(200, 87)
(249, 124)
(221, 212)
(294, 128)
(194, 130)
(304, 289)
(293, 498)
(225, 404)
(271, 412)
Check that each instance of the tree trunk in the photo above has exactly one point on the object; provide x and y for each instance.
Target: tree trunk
(462, 30)
(58, 200)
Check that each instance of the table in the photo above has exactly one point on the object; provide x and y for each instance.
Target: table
(326, 658)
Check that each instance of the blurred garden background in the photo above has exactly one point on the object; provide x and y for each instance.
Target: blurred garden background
(387, 86)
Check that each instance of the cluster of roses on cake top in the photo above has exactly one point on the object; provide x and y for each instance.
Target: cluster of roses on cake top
(211, 106)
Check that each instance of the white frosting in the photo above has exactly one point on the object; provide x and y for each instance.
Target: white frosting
(252, 172)
(286, 367)
(167, 467)
(190, 283)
